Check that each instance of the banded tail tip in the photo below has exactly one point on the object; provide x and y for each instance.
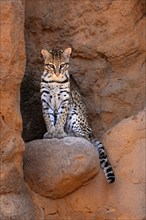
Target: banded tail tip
(111, 180)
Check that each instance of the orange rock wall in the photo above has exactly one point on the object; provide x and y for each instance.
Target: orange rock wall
(15, 202)
(108, 41)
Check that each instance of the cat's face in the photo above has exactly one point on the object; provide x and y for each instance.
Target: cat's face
(56, 62)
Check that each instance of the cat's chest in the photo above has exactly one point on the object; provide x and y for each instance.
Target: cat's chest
(57, 94)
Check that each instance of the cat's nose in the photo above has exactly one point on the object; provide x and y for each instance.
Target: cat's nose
(57, 74)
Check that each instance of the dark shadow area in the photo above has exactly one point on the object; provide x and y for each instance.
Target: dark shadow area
(31, 110)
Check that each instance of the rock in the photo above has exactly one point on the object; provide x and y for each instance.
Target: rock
(125, 199)
(54, 168)
(12, 148)
(16, 207)
(14, 203)
(107, 63)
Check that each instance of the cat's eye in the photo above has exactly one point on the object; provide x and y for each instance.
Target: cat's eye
(63, 65)
(50, 65)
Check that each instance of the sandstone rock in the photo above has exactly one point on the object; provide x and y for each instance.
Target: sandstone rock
(123, 200)
(16, 207)
(54, 168)
(108, 41)
(12, 148)
(14, 203)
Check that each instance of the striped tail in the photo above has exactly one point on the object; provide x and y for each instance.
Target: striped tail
(104, 163)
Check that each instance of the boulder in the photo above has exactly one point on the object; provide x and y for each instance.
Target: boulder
(54, 168)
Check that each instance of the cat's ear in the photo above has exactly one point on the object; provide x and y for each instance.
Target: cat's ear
(67, 52)
(45, 54)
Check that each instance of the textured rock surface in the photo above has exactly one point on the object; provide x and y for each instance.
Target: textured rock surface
(123, 200)
(16, 207)
(15, 203)
(54, 168)
(108, 41)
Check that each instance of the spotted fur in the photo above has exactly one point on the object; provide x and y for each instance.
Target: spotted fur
(63, 109)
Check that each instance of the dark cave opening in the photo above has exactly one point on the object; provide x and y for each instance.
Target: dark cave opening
(31, 110)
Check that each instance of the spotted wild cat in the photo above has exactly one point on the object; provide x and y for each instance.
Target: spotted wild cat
(63, 109)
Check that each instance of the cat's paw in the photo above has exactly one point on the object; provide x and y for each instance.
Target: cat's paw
(60, 134)
(48, 135)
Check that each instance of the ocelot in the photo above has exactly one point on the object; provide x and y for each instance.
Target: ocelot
(63, 109)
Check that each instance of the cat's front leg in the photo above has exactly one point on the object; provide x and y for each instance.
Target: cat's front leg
(50, 127)
(61, 120)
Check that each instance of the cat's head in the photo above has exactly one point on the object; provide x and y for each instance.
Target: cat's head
(56, 62)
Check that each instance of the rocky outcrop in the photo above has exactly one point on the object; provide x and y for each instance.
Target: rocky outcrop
(54, 168)
(15, 202)
(107, 63)
(125, 199)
